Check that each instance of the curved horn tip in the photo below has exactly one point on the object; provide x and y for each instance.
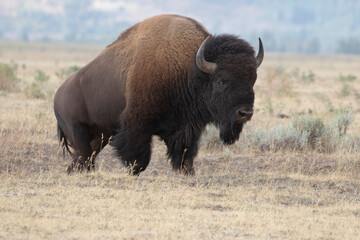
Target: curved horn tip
(202, 64)
(260, 55)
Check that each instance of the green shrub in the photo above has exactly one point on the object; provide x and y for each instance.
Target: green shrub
(346, 78)
(309, 77)
(345, 90)
(67, 72)
(34, 91)
(41, 77)
(342, 121)
(276, 138)
(313, 128)
(357, 95)
(302, 133)
(8, 77)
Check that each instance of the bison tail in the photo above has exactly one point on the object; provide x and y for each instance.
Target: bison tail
(64, 142)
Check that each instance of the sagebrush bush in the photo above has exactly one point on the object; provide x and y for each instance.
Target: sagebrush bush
(302, 133)
(8, 77)
(35, 89)
(313, 128)
(345, 90)
(342, 121)
(308, 77)
(41, 77)
(277, 138)
(210, 137)
(67, 72)
(346, 80)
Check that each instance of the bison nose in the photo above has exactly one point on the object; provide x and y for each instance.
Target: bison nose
(243, 115)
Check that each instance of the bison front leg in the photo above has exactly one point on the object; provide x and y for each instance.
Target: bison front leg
(133, 148)
(182, 149)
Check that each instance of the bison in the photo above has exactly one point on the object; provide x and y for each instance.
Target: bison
(166, 76)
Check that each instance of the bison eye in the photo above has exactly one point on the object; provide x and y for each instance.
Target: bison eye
(220, 83)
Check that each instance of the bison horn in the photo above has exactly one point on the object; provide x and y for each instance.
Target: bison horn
(260, 55)
(203, 65)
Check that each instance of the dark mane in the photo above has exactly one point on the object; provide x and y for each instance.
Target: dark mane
(228, 43)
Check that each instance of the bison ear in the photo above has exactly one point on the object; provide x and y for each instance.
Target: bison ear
(260, 55)
(202, 64)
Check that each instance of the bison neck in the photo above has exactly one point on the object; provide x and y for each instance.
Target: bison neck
(187, 110)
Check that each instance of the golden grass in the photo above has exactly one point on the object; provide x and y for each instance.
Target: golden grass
(106, 205)
(237, 193)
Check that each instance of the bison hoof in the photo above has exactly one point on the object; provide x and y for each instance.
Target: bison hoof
(70, 168)
(79, 167)
(135, 170)
(74, 167)
(91, 168)
(187, 172)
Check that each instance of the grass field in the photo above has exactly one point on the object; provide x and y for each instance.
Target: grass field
(294, 174)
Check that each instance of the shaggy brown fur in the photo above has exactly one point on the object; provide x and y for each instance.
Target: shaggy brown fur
(140, 85)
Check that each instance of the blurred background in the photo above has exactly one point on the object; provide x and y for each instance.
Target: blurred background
(306, 26)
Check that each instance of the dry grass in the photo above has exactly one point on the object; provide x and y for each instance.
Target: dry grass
(237, 193)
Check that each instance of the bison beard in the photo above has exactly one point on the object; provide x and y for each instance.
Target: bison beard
(166, 76)
(230, 133)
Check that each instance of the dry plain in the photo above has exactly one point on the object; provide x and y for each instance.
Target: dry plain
(277, 182)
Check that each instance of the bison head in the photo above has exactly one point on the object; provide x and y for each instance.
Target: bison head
(231, 74)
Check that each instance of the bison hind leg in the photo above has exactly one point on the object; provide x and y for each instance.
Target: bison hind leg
(84, 158)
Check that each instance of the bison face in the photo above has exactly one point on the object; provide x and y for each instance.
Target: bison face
(230, 96)
(231, 102)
